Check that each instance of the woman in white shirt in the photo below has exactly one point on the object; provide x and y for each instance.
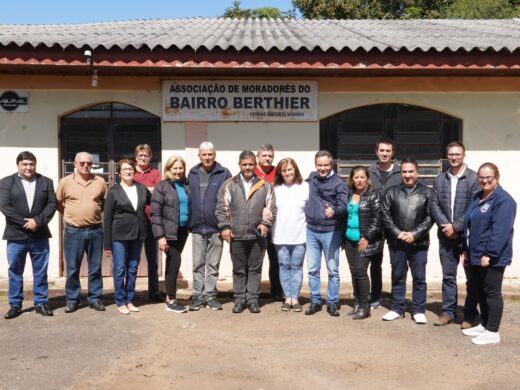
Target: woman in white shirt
(289, 229)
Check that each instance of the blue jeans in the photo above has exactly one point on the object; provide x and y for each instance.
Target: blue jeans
(290, 260)
(77, 242)
(125, 256)
(329, 243)
(400, 258)
(17, 251)
(151, 250)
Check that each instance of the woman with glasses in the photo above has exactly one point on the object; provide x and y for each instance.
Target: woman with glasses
(488, 236)
(124, 233)
(170, 205)
(364, 238)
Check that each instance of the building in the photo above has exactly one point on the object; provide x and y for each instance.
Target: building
(301, 85)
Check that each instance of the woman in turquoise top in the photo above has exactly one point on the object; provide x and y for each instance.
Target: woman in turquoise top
(364, 237)
(170, 217)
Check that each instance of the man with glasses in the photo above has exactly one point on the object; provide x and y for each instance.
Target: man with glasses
(80, 198)
(149, 177)
(451, 195)
(28, 202)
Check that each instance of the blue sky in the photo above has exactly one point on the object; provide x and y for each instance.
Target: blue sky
(81, 11)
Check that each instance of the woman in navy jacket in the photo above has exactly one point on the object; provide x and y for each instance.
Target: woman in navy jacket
(488, 237)
(124, 233)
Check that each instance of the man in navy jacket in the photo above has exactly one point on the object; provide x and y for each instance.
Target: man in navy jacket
(28, 201)
(328, 197)
(205, 180)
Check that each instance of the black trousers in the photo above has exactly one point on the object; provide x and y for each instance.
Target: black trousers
(274, 268)
(358, 265)
(173, 262)
(488, 284)
(247, 257)
(376, 276)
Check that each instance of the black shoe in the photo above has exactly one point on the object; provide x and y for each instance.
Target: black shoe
(313, 309)
(332, 309)
(238, 308)
(254, 308)
(196, 303)
(354, 310)
(213, 304)
(364, 312)
(43, 309)
(13, 312)
(277, 296)
(71, 307)
(97, 305)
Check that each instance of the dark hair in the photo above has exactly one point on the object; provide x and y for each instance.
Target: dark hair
(386, 141)
(25, 155)
(454, 144)
(410, 161)
(284, 161)
(353, 171)
(125, 161)
(265, 147)
(323, 153)
(245, 154)
(491, 166)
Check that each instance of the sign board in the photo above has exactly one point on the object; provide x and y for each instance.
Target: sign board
(241, 100)
(14, 101)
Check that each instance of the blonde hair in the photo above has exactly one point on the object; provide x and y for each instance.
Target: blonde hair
(169, 163)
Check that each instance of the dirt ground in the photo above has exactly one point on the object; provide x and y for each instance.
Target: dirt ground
(270, 350)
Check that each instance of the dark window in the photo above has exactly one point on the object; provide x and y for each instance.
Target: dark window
(418, 132)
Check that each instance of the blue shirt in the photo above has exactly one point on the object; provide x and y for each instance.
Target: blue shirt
(353, 233)
(183, 204)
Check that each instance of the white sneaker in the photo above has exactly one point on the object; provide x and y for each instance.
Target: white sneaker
(392, 315)
(486, 337)
(420, 318)
(475, 331)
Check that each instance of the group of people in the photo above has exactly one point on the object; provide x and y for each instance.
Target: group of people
(267, 208)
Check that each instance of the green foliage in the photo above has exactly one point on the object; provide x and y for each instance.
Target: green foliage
(481, 9)
(236, 11)
(407, 9)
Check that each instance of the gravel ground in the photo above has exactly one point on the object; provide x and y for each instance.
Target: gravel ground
(270, 350)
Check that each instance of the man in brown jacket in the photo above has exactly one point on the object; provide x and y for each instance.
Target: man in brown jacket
(241, 201)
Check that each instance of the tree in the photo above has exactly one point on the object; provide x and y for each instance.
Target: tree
(236, 11)
(482, 9)
(407, 9)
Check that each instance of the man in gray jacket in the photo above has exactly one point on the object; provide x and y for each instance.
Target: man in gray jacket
(451, 194)
(240, 206)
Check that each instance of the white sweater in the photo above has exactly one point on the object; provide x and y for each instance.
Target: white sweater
(290, 227)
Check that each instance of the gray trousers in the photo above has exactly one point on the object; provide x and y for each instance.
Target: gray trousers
(207, 251)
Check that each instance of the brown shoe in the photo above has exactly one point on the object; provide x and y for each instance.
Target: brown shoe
(468, 324)
(443, 320)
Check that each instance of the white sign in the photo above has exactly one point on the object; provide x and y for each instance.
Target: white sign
(14, 101)
(244, 100)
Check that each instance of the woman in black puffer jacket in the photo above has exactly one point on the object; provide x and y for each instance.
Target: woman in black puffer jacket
(363, 236)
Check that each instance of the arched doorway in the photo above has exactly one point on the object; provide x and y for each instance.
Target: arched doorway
(110, 132)
(418, 132)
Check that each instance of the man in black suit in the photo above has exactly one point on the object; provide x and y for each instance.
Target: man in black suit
(28, 202)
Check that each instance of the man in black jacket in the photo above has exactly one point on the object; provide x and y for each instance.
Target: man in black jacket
(452, 193)
(384, 173)
(205, 180)
(407, 222)
(28, 202)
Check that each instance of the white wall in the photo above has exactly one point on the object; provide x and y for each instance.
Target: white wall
(490, 133)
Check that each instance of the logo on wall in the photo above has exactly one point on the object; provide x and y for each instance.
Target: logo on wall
(11, 101)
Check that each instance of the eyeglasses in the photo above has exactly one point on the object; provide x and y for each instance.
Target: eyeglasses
(486, 178)
(87, 163)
